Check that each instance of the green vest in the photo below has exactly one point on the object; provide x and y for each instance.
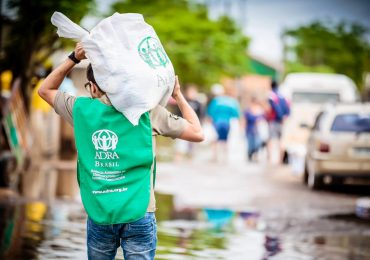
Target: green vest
(114, 162)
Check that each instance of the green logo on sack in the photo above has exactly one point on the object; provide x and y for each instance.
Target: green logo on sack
(152, 52)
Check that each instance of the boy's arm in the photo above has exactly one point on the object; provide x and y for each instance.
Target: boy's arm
(193, 130)
(50, 85)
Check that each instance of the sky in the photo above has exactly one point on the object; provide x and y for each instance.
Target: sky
(265, 20)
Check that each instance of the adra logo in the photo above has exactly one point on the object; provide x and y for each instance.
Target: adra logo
(152, 52)
(105, 140)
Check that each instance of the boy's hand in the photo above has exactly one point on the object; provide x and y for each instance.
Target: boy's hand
(176, 90)
(79, 52)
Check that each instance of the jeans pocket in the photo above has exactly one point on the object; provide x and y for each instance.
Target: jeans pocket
(100, 237)
(141, 234)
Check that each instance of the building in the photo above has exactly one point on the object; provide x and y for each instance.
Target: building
(263, 67)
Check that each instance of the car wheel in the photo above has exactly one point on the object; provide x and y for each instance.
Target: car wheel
(314, 181)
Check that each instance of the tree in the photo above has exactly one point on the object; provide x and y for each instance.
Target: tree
(341, 48)
(30, 36)
(201, 50)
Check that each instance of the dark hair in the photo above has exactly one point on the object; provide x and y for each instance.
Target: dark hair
(274, 84)
(90, 76)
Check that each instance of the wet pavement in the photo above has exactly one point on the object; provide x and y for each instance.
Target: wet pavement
(208, 211)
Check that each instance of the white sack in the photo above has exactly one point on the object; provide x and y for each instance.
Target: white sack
(128, 60)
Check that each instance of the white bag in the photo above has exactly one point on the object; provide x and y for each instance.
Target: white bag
(128, 61)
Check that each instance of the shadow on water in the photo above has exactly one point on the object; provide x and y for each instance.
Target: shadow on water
(34, 230)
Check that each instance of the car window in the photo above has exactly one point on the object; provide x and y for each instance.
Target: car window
(312, 97)
(351, 123)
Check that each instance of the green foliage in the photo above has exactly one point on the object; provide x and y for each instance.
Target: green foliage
(201, 50)
(30, 37)
(299, 67)
(341, 47)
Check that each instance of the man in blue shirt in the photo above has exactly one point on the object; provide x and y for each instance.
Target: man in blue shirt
(221, 110)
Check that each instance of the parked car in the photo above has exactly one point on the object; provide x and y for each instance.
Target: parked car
(338, 147)
(309, 93)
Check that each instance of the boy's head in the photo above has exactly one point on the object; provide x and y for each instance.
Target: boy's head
(91, 86)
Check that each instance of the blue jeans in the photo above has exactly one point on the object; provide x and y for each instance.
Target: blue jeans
(138, 239)
(254, 144)
(222, 129)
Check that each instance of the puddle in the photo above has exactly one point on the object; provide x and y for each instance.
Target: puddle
(34, 230)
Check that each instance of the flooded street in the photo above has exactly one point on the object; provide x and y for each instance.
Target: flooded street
(195, 120)
(207, 211)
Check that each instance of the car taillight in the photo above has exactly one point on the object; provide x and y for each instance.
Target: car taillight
(324, 147)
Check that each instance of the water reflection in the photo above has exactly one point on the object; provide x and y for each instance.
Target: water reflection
(272, 246)
(219, 218)
(33, 230)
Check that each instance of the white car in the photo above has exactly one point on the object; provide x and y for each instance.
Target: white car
(308, 94)
(338, 147)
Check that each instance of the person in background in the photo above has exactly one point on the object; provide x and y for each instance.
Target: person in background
(253, 114)
(221, 110)
(191, 95)
(277, 112)
(182, 147)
